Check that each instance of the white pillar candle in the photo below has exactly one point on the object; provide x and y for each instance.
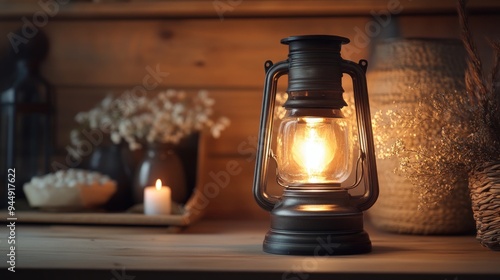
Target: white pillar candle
(157, 199)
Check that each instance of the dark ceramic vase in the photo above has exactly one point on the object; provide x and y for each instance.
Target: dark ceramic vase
(160, 162)
(108, 160)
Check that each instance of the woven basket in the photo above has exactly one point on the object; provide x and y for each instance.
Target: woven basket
(397, 208)
(484, 185)
(432, 65)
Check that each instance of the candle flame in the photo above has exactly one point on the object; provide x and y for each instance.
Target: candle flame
(158, 184)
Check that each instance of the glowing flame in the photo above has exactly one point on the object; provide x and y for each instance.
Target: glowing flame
(158, 184)
(312, 150)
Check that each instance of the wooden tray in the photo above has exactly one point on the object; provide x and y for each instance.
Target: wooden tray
(183, 215)
(134, 217)
(101, 219)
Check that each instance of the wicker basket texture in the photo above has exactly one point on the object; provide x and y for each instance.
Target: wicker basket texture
(484, 187)
(427, 66)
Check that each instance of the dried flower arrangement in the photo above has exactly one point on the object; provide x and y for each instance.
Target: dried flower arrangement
(483, 148)
(166, 117)
(468, 147)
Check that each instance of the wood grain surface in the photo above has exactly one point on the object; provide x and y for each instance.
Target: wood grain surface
(235, 247)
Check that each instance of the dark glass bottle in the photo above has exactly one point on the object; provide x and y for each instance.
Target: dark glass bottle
(26, 116)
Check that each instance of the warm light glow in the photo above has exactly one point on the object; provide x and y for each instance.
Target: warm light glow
(312, 151)
(158, 184)
(316, 207)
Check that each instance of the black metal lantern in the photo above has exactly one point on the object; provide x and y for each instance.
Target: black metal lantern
(26, 113)
(314, 152)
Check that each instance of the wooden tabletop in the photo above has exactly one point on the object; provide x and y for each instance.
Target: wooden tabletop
(232, 250)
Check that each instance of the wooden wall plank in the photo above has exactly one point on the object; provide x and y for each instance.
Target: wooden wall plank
(247, 8)
(201, 53)
(234, 200)
(195, 53)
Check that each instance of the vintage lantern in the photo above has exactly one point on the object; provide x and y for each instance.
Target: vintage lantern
(316, 214)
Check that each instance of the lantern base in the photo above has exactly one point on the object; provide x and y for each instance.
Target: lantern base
(316, 244)
(316, 222)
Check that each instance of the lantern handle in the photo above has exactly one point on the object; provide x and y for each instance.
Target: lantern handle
(357, 73)
(273, 73)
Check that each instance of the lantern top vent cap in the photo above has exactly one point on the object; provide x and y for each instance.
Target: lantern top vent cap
(325, 38)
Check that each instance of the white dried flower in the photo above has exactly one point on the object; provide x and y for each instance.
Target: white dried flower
(80, 117)
(115, 137)
(166, 117)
